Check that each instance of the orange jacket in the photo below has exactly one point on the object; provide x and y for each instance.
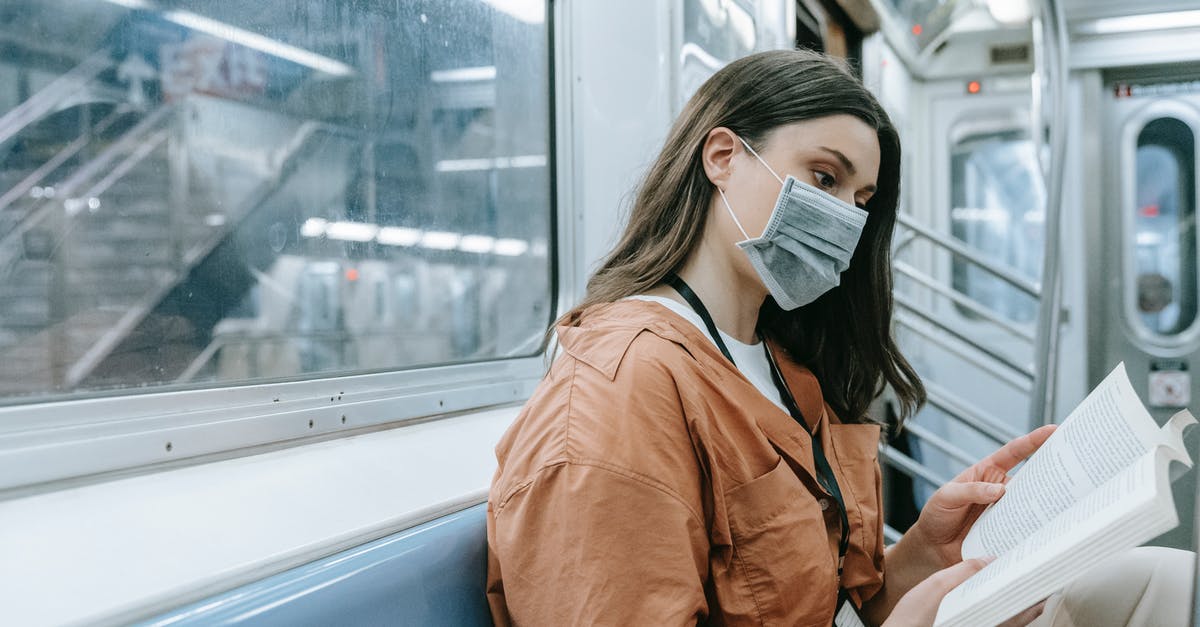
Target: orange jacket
(647, 482)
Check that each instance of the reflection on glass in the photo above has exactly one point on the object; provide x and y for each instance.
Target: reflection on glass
(998, 209)
(715, 32)
(224, 191)
(926, 19)
(1165, 227)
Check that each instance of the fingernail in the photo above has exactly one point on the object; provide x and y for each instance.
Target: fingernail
(988, 559)
(995, 490)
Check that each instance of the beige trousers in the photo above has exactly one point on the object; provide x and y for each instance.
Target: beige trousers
(1144, 587)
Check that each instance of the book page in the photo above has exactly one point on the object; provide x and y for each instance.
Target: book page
(1106, 512)
(1103, 435)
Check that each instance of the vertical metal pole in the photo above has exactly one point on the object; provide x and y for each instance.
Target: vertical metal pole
(1054, 42)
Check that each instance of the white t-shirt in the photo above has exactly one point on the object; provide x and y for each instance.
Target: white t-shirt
(751, 359)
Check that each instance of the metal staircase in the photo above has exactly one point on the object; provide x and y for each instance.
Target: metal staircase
(95, 230)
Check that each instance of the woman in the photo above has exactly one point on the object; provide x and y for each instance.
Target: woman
(702, 451)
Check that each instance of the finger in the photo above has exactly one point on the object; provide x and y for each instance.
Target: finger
(946, 579)
(963, 494)
(1016, 451)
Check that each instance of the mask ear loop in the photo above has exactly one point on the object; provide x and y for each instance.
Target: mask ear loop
(731, 213)
(760, 160)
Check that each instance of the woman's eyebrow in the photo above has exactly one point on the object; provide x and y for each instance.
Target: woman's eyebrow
(841, 157)
(849, 165)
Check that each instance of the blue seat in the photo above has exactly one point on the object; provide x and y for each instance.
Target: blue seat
(433, 574)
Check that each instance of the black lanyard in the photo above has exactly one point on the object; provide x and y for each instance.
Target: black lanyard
(825, 474)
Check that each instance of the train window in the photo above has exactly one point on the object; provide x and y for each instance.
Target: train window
(715, 32)
(1164, 246)
(222, 192)
(997, 208)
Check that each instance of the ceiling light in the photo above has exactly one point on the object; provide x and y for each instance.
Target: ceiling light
(464, 74)
(1009, 11)
(510, 247)
(528, 11)
(1140, 23)
(398, 236)
(313, 227)
(258, 42)
(440, 240)
(351, 231)
(476, 244)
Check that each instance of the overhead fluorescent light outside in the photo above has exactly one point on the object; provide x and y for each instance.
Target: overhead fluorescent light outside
(132, 4)
(1140, 23)
(499, 163)
(398, 236)
(464, 74)
(440, 240)
(351, 231)
(510, 247)
(476, 243)
(527, 161)
(258, 42)
(314, 227)
(463, 165)
(528, 11)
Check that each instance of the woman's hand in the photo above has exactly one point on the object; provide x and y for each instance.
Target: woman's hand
(934, 542)
(919, 607)
(950, 512)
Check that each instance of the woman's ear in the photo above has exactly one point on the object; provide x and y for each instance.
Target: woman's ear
(717, 155)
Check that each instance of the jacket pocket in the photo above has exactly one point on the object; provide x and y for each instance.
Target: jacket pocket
(856, 447)
(782, 557)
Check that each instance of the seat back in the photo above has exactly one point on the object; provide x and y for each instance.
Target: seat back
(433, 574)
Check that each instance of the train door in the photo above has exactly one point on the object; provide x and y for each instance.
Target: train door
(986, 194)
(1145, 309)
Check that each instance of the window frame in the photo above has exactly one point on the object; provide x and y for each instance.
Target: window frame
(96, 435)
(1131, 128)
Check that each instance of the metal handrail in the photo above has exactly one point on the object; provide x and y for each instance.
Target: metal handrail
(131, 139)
(50, 96)
(939, 443)
(962, 300)
(964, 252)
(913, 309)
(959, 409)
(910, 466)
(70, 150)
(1015, 381)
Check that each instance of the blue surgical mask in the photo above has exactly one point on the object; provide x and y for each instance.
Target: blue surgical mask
(807, 244)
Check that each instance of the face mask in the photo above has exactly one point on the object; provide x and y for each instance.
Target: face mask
(807, 244)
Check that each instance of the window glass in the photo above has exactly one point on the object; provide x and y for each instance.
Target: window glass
(715, 32)
(997, 208)
(227, 191)
(1164, 231)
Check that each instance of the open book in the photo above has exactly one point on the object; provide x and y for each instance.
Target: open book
(1099, 485)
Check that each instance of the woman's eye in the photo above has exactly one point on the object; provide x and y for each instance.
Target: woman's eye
(825, 180)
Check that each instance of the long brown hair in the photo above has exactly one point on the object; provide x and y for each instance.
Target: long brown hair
(844, 336)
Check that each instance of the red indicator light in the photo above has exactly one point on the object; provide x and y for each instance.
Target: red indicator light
(974, 87)
(916, 30)
(1149, 211)
(352, 275)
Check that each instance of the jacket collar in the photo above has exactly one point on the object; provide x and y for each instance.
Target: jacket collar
(607, 330)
